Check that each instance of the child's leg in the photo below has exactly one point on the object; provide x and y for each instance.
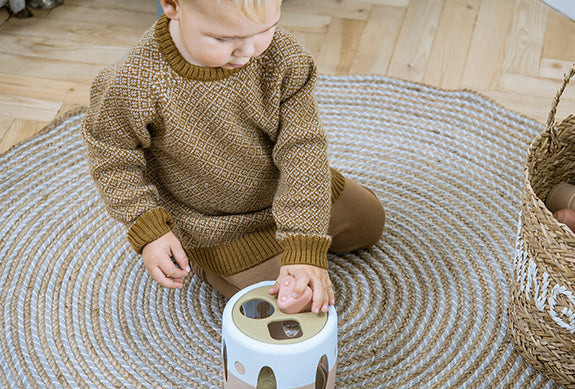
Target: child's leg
(357, 219)
(230, 285)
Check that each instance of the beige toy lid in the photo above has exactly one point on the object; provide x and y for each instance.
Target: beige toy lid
(257, 315)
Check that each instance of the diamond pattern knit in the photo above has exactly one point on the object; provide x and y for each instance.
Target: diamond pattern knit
(233, 161)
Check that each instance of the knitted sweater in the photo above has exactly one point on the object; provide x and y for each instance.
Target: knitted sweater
(234, 162)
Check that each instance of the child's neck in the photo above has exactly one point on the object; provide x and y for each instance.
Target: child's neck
(178, 41)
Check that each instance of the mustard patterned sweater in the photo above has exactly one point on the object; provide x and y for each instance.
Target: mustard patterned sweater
(234, 162)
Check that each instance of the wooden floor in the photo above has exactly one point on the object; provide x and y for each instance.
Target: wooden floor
(513, 51)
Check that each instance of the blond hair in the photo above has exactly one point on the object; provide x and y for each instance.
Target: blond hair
(253, 9)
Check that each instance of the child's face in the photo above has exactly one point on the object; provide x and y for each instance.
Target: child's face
(218, 34)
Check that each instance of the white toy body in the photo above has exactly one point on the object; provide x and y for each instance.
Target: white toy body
(265, 348)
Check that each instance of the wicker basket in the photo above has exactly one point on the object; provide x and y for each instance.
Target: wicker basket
(542, 303)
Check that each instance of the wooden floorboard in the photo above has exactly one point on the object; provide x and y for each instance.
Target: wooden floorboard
(512, 51)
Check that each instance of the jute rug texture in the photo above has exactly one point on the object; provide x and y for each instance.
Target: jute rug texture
(426, 307)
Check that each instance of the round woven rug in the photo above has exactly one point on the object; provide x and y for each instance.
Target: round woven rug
(425, 307)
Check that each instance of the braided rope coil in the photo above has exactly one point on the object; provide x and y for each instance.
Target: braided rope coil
(426, 307)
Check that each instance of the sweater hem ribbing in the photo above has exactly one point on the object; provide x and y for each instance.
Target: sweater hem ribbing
(246, 252)
(253, 249)
(240, 254)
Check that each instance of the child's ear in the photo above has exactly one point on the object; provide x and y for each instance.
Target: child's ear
(171, 8)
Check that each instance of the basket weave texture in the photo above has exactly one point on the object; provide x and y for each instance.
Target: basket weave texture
(542, 296)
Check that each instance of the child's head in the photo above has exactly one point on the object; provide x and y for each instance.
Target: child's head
(222, 33)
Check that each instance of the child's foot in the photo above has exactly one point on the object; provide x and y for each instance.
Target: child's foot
(287, 303)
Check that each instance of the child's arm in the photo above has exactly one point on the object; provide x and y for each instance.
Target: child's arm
(302, 202)
(157, 256)
(317, 278)
(118, 129)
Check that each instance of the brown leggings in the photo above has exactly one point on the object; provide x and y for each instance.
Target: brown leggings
(356, 222)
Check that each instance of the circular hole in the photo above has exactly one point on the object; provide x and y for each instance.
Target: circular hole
(257, 309)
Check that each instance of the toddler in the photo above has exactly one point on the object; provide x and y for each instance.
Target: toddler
(206, 142)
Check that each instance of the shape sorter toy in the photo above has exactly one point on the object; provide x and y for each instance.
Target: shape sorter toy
(264, 348)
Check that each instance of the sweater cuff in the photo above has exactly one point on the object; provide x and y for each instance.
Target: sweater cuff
(149, 227)
(305, 250)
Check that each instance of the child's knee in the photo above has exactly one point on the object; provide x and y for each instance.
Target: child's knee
(378, 223)
(374, 224)
(363, 226)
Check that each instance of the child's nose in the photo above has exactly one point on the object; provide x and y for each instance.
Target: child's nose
(245, 48)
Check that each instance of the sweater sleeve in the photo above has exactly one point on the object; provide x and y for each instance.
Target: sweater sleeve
(302, 203)
(116, 130)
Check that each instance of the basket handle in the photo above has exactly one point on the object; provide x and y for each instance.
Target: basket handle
(568, 76)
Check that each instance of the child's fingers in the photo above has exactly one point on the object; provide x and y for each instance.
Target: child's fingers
(160, 277)
(170, 269)
(302, 280)
(166, 261)
(275, 289)
(320, 300)
(314, 277)
(180, 258)
(331, 295)
(323, 293)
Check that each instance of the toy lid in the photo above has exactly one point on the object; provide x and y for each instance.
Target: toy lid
(257, 315)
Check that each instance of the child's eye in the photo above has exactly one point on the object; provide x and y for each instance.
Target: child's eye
(223, 40)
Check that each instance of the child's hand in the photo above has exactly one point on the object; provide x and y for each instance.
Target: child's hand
(318, 280)
(158, 256)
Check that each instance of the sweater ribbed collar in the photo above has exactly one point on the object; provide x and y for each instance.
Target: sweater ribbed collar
(178, 63)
